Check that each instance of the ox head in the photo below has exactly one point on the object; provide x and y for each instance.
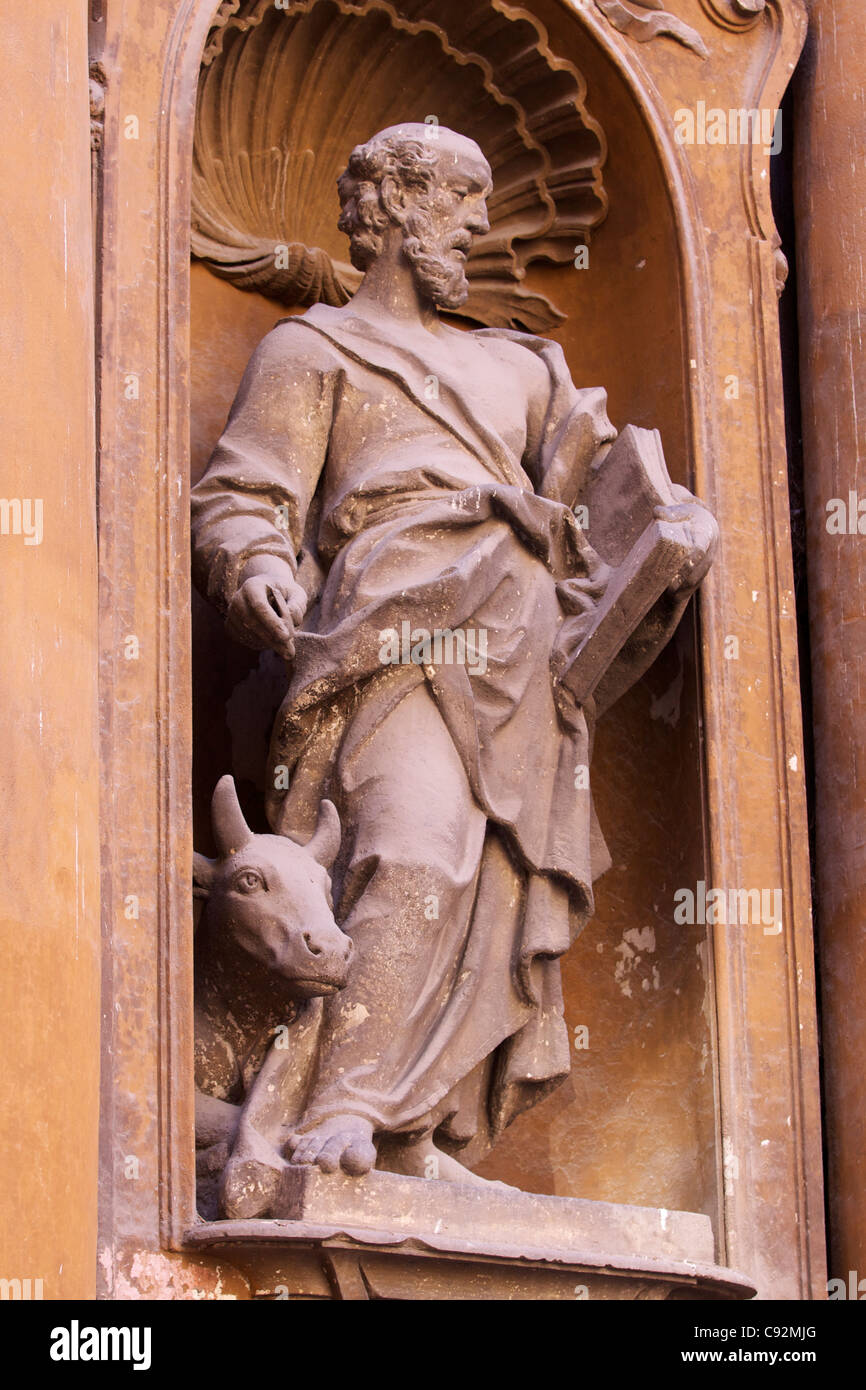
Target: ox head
(272, 896)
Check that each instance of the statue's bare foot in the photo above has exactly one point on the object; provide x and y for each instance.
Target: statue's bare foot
(424, 1160)
(342, 1141)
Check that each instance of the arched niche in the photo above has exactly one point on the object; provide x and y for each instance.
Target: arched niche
(635, 1121)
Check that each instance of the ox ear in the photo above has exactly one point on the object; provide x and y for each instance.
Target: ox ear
(231, 831)
(203, 871)
(325, 843)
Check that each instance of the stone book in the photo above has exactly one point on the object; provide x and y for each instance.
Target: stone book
(645, 553)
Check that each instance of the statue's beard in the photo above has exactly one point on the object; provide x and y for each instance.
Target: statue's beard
(436, 265)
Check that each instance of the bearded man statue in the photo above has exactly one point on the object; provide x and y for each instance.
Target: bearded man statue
(391, 492)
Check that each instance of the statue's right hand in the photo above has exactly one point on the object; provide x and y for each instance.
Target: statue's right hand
(265, 612)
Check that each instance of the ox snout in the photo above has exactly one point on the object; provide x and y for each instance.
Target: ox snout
(325, 956)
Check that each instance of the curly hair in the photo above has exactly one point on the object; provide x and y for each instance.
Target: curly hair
(391, 154)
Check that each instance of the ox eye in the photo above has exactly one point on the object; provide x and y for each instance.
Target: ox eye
(248, 881)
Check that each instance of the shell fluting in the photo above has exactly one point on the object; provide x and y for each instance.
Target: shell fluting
(286, 93)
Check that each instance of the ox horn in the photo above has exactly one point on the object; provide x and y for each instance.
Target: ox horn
(231, 831)
(325, 842)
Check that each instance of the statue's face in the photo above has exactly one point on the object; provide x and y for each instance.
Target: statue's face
(463, 184)
(440, 224)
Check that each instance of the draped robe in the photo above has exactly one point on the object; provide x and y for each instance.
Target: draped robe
(398, 491)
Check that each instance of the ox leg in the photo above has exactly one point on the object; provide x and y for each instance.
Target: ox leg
(253, 1174)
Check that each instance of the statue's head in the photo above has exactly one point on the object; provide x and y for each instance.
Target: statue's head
(432, 184)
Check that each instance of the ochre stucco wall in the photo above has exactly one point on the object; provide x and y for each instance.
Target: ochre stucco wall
(49, 823)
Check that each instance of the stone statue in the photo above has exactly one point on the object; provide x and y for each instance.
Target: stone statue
(412, 515)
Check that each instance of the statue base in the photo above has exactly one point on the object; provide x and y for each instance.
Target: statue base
(494, 1219)
(389, 1236)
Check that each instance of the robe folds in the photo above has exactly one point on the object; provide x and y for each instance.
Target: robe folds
(401, 493)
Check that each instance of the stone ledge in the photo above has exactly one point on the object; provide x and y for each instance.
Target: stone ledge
(493, 1217)
(616, 1250)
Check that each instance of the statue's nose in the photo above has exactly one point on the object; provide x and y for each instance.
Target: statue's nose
(478, 224)
(312, 946)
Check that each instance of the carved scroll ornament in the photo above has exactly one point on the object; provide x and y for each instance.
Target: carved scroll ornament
(735, 14)
(630, 17)
(632, 20)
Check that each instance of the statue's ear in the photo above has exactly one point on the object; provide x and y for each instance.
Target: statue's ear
(203, 871)
(325, 844)
(392, 196)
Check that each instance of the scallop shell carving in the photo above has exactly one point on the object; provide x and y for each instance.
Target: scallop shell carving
(285, 93)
